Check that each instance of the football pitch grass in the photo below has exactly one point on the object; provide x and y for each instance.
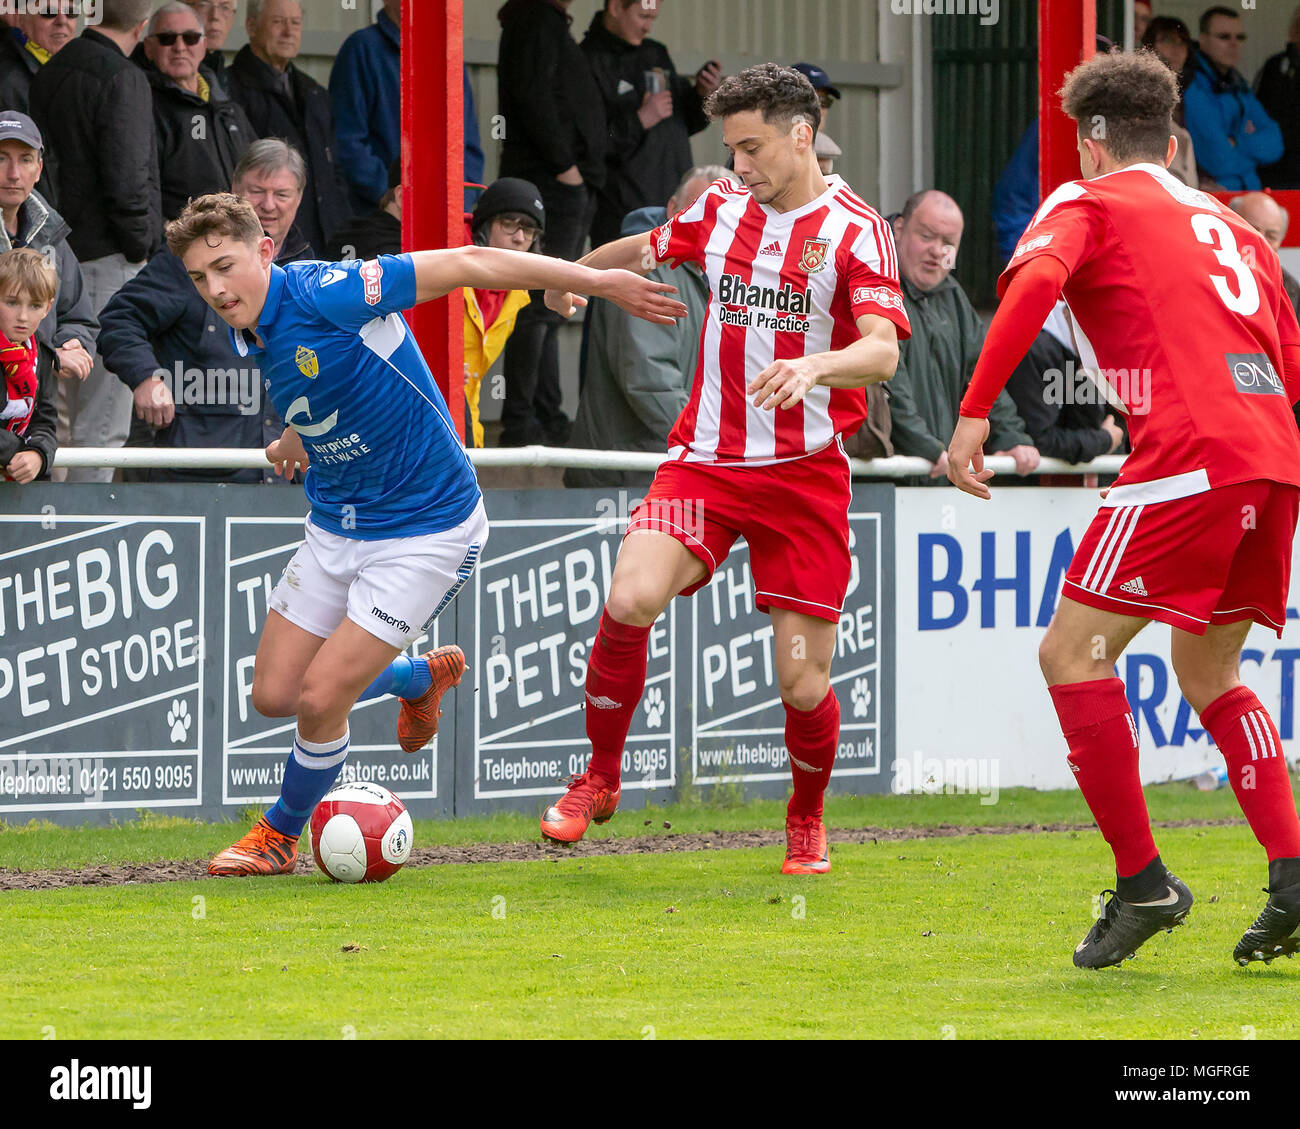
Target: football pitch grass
(964, 937)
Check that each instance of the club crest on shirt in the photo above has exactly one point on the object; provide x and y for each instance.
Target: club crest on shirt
(814, 254)
(371, 274)
(307, 362)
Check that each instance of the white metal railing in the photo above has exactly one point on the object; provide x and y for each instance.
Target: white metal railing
(226, 458)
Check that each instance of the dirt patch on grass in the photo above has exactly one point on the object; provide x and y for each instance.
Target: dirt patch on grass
(539, 851)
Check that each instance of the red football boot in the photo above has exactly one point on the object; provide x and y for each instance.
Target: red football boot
(588, 798)
(805, 846)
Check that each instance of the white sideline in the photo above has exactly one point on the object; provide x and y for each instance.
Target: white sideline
(223, 458)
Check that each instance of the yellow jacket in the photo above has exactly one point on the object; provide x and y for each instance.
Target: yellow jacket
(483, 344)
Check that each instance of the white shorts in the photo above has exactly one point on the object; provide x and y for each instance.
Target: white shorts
(394, 588)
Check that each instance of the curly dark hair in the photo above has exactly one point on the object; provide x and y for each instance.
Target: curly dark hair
(1124, 103)
(780, 93)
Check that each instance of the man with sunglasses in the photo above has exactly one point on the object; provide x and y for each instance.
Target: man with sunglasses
(1231, 132)
(30, 43)
(201, 133)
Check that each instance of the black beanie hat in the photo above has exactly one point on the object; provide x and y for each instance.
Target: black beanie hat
(509, 194)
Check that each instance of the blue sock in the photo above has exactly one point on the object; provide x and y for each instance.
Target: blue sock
(404, 676)
(309, 772)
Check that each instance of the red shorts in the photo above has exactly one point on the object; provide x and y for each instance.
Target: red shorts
(1216, 557)
(794, 515)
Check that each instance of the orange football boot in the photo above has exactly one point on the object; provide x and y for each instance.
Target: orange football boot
(264, 850)
(587, 799)
(805, 846)
(418, 720)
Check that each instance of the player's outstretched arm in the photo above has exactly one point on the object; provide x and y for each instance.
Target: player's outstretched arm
(486, 268)
(869, 360)
(631, 253)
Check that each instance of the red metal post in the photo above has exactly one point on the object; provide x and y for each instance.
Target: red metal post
(1067, 35)
(433, 197)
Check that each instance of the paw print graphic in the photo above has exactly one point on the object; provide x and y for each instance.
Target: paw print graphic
(861, 697)
(654, 707)
(178, 717)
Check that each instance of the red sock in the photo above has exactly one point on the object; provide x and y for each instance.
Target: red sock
(811, 737)
(1102, 736)
(615, 683)
(1257, 770)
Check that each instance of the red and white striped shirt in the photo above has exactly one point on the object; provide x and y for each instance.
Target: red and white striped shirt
(784, 284)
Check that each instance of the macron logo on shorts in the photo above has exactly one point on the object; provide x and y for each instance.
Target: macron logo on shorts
(391, 620)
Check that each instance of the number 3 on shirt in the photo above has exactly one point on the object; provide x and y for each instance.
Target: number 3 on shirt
(1212, 230)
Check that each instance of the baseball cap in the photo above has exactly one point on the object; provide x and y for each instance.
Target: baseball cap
(818, 77)
(510, 194)
(20, 127)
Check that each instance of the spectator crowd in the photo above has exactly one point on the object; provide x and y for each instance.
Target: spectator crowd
(107, 130)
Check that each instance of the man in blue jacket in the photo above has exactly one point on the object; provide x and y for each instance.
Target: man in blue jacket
(366, 95)
(1231, 132)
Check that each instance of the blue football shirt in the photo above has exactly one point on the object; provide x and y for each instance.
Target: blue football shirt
(344, 372)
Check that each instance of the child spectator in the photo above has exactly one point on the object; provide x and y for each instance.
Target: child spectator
(29, 420)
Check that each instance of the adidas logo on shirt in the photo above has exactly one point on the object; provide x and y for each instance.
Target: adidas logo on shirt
(1134, 587)
(773, 248)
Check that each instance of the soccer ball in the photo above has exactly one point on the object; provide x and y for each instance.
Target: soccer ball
(360, 833)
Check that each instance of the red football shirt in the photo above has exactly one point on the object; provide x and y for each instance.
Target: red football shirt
(1179, 313)
(784, 284)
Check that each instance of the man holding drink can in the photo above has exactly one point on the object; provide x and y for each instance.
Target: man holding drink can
(652, 111)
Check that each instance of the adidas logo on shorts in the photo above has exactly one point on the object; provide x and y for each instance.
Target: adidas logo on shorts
(1134, 587)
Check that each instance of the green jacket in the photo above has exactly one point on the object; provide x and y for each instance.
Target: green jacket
(934, 368)
(637, 379)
